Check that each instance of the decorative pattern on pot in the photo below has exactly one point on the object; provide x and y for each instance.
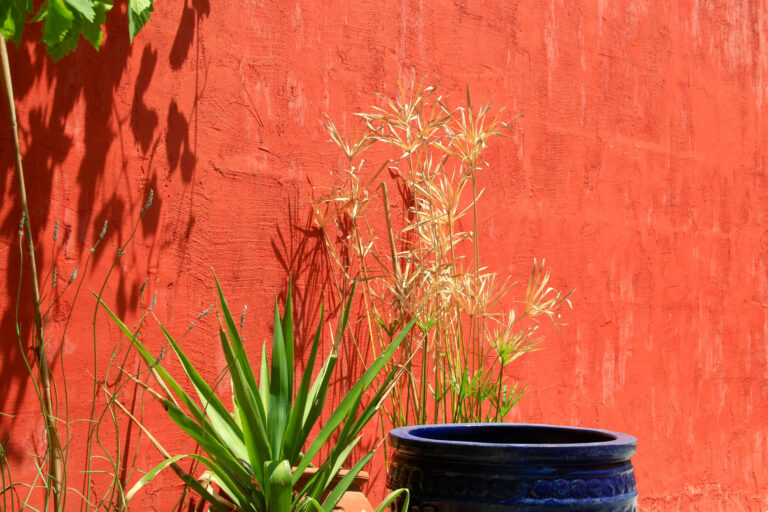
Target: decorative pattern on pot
(507, 467)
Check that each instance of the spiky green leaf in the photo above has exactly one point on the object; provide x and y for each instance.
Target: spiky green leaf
(287, 324)
(151, 474)
(279, 490)
(254, 430)
(335, 495)
(217, 413)
(295, 433)
(158, 368)
(352, 398)
(279, 394)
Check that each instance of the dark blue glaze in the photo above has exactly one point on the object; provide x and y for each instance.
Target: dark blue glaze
(502, 467)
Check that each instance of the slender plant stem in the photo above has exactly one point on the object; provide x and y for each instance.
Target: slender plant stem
(93, 425)
(55, 461)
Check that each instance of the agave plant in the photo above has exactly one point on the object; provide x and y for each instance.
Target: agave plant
(257, 452)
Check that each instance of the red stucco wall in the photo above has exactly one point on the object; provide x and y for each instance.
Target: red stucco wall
(639, 173)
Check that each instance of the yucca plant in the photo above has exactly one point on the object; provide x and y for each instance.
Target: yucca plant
(257, 452)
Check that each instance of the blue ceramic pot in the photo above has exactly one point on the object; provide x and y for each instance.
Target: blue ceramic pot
(504, 467)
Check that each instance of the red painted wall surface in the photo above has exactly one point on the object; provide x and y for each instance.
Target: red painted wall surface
(639, 173)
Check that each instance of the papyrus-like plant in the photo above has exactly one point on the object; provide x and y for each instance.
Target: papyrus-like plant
(426, 265)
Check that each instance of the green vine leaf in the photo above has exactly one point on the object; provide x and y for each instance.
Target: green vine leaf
(68, 44)
(42, 12)
(139, 6)
(64, 21)
(138, 15)
(92, 30)
(84, 7)
(57, 24)
(13, 16)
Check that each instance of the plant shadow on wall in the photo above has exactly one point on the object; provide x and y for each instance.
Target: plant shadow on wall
(301, 254)
(179, 144)
(425, 263)
(46, 295)
(181, 147)
(179, 135)
(46, 145)
(191, 16)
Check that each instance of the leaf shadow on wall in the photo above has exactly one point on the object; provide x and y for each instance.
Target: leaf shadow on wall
(177, 137)
(185, 35)
(302, 254)
(86, 80)
(178, 133)
(143, 119)
(82, 87)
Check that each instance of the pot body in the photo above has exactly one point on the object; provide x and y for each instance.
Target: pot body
(513, 468)
(353, 500)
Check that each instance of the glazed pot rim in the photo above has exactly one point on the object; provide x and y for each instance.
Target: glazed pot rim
(605, 446)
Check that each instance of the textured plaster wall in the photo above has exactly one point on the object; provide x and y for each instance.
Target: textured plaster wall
(639, 173)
